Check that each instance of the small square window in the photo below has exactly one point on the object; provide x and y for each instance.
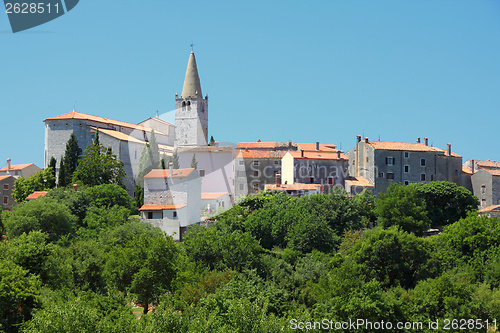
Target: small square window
(389, 160)
(422, 162)
(276, 162)
(311, 180)
(202, 173)
(407, 182)
(407, 154)
(242, 162)
(5, 186)
(390, 175)
(422, 177)
(256, 173)
(256, 163)
(150, 215)
(380, 175)
(241, 187)
(407, 168)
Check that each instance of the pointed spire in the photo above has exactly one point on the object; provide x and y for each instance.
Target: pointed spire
(192, 86)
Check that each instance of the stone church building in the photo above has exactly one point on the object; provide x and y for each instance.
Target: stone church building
(126, 140)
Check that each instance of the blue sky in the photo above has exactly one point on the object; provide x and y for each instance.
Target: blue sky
(305, 71)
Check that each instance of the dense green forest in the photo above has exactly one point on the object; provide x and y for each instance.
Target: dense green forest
(81, 262)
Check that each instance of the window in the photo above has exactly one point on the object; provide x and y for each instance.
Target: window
(407, 168)
(241, 187)
(422, 177)
(390, 175)
(222, 204)
(407, 154)
(422, 162)
(483, 202)
(242, 162)
(407, 182)
(136, 154)
(16, 172)
(389, 160)
(256, 187)
(256, 173)
(256, 163)
(150, 215)
(202, 173)
(276, 162)
(432, 178)
(241, 174)
(380, 175)
(311, 180)
(330, 180)
(174, 214)
(110, 150)
(483, 189)
(6, 186)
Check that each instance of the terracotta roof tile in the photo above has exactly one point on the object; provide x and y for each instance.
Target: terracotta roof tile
(256, 154)
(102, 120)
(212, 195)
(489, 209)
(318, 155)
(488, 164)
(5, 177)
(165, 173)
(161, 207)
(322, 147)
(36, 195)
(359, 181)
(467, 171)
(118, 135)
(406, 146)
(205, 149)
(493, 172)
(16, 167)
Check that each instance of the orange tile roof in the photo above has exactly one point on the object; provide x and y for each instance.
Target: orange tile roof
(406, 146)
(212, 195)
(258, 145)
(359, 181)
(161, 207)
(322, 147)
(16, 167)
(102, 120)
(488, 164)
(36, 195)
(467, 171)
(5, 177)
(493, 172)
(205, 149)
(293, 187)
(318, 155)
(256, 154)
(165, 173)
(489, 209)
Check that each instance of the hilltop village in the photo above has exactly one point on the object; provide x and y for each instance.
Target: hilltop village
(208, 177)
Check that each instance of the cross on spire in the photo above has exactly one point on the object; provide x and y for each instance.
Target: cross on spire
(192, 45)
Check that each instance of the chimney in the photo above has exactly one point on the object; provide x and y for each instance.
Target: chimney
(358, 138)
(170, 169)
(301, 153)
(366, 139)
(338, 154)
(75, 187)
(426, 141)
(278, 179)
(472, 166)
(418, 140)
(449, 149)
(8, 165)
(317, 145)
(289, 143)
(216, 145)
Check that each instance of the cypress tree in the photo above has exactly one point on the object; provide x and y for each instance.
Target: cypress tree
(61, 181)
(175, 159)
(70, 158)
(53, 164)
(194, 163)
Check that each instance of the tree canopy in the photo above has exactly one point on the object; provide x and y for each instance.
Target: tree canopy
(40, 181)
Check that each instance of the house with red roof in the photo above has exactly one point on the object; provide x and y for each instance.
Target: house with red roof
(172, 200)
(485, 179)
(378, 164)
(19, 170)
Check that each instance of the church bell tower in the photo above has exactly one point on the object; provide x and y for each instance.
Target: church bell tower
(191, 110)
